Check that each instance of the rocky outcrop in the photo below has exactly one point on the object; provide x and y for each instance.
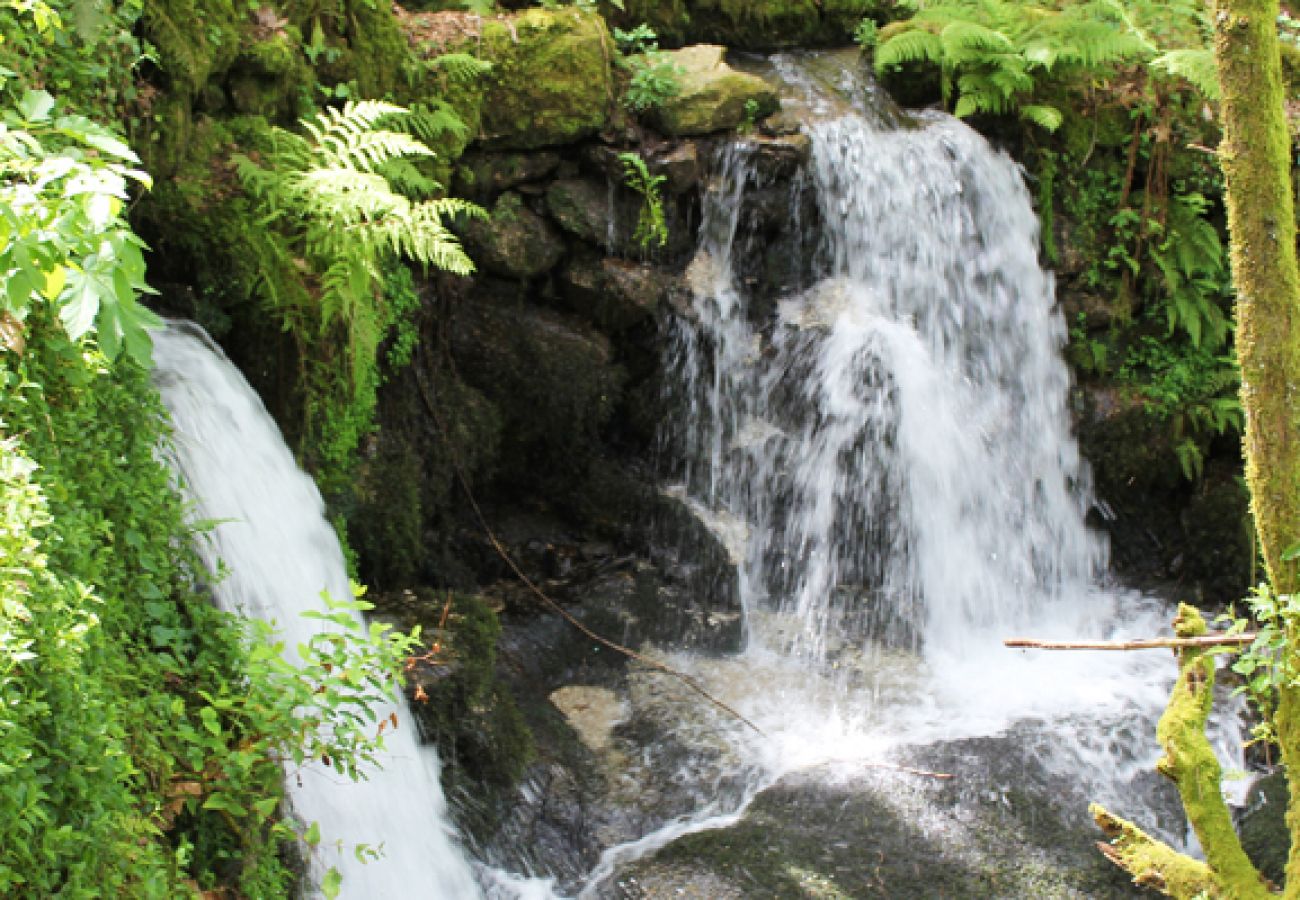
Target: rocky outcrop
(713, 96)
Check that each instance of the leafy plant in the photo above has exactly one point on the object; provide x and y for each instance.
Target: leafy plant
(997, 56)
(342, 195)
(63, 188)
(655, 79)
(641, 39)
(651, 227)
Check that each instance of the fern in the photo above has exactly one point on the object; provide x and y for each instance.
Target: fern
(995, 56)
(460, 68)
(1193, 65)
(349, 201)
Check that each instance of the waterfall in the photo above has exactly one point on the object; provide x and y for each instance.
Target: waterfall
(888, 457)
(279, 553)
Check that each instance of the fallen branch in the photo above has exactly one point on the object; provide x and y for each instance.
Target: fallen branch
(1170, 643)
(541, 595)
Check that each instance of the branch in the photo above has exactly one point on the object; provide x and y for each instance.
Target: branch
(1189, 762)
(1153, 863)
(1173, 643)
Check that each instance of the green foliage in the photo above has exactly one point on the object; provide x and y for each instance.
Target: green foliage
(63, 188)
(1268, 663)
(82, 52)
(1191, 389)
(641, 39)
(1001, 57)
(143, 733)
(342, 197)
(651, 227)
(654, 77)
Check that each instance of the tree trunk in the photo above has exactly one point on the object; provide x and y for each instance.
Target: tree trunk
(1256, 159)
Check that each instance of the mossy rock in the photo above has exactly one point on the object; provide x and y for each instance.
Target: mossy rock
(468, 712)
(750, 24)
(550, 83)
(713, 97)
(514, 242)
(553, 380)
(612, 294)
(482, 176)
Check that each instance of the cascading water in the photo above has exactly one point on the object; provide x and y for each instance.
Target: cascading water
(280, 554)
(888, 459)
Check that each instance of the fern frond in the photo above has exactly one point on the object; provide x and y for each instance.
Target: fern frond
(1048, 118)
(908, 47)
(460, 68)
(407, 179)
(1193, 65)
(431, 122)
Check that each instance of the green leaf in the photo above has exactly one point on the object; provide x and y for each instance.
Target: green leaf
(1291, 553)
(330, 884)
(35, 106)
(312, 837)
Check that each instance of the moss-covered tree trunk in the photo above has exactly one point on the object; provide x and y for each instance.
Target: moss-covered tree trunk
(1256, 157)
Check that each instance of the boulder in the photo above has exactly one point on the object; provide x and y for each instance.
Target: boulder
(613, 294)
(514, 241)
(584, 207)
(482, 176)
(550, 82)
(552, 378)
(713, 96)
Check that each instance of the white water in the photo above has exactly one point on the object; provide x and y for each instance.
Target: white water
(891, 463)
(280, 554)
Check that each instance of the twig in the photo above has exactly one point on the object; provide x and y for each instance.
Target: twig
(1172, 643)
(547, 601)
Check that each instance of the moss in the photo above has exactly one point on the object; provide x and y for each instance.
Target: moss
(750, 24)
(551, 81)
(194, 39)
(469, 713)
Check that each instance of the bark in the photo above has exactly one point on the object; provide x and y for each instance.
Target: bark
(1256, 156)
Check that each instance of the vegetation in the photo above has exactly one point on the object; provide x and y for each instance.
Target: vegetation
(651, 227)
(348, 199)
(654, 77)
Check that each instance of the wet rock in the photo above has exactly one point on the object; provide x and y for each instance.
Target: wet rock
(680, 166)
(612, 294)
(1264, 834)
(714, 96)
(1005, 826)
(585, 208)
(514, 241)
(752, 25)
(550, 82)
(482, 176)
(553, 380)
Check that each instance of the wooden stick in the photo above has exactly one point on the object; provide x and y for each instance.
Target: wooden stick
(1170, 643)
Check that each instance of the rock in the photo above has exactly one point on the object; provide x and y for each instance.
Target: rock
(482, 176)
(680, 166)
(550, 82)
(1005, 826)
(1264, 834)
(612, 294)
(585, 208)
(592, 712)
(553, 380)
(713, 96)
(514, 241)
(749, 25)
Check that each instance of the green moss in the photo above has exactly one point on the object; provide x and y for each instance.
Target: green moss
(750, 24)
(194, 39)
(551, 81)
(470, 714)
